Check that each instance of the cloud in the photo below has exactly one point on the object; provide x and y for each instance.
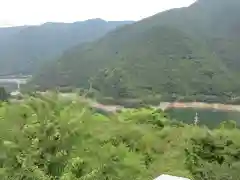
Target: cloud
(21, 12)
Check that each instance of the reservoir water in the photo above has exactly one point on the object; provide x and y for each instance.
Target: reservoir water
(209, 117)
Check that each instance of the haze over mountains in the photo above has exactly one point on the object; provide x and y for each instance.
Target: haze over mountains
(24, 49)
(187, 52)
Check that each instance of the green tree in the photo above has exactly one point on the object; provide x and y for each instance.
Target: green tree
(111, 82)
(230, 124)
(3, 94)
(214, 157)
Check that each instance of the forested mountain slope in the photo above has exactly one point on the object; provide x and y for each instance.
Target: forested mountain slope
(176, 52)
(23, 49)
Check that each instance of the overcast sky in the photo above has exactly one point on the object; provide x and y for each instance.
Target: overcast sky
(29, 12)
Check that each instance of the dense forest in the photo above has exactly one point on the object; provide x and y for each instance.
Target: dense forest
(50, 138)
(187, 53)
(24, 49)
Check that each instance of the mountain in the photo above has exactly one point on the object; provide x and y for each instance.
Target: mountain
(211, 18)
(185, 52)
(24, 49)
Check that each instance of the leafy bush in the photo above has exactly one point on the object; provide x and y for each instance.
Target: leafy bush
(230, 124)
(48, 138)
(213, 157)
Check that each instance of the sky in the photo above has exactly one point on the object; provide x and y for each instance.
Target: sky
(34, 12)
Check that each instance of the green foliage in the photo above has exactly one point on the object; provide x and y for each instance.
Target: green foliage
(111, 83)
(230, 124)
(213, 157)
(145, 116)
(37, 144)
(3, 94)
(52, 138)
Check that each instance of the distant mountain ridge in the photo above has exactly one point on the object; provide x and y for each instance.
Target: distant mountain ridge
(24, 48)
(185, 52)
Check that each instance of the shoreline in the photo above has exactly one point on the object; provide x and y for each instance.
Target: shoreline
(175, 105)
(162, 105)
(199, 105)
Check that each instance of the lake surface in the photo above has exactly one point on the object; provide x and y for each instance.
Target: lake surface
(209, 117)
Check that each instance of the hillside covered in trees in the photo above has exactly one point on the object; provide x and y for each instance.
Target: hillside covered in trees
(24, 49)
(187, 52)
(48, 138)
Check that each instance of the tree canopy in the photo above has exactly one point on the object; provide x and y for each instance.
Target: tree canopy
(50, 138)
